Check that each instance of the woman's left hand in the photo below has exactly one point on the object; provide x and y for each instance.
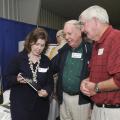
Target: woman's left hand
(42, 93)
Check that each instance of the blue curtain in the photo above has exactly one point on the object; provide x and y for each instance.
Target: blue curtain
(11, 32)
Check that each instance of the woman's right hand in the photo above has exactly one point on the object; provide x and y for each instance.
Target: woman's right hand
(20, 78)
(42, 93)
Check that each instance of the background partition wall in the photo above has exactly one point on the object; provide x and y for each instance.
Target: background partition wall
(29, 17)
(11, 32)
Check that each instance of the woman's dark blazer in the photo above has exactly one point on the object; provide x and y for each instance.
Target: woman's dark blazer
(23, 98)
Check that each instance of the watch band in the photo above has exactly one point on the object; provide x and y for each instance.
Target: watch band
(97, 90)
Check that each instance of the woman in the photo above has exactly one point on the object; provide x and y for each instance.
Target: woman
(31, 66)
(60, 43)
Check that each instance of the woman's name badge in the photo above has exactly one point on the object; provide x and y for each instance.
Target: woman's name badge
(43, 70)
(76, 55)
(100, 51)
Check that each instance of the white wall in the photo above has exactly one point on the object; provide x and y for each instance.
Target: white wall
(29, 10)
(50, 19)
(21, 10)
(1, 8)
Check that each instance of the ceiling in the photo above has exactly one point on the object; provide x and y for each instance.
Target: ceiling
(71, 9)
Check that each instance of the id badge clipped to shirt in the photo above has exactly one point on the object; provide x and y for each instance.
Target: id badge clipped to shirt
(76, 55)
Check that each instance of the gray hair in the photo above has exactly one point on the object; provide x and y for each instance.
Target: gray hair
(76, 23)
(97, 12)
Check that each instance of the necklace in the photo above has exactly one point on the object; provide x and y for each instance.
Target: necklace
(34, 71)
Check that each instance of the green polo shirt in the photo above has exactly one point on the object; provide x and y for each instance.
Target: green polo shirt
(72, 70)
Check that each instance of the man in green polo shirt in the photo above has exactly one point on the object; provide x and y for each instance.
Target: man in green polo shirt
(71, 63)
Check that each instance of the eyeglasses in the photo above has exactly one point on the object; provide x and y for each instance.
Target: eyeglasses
(58, 36)
(61, 35)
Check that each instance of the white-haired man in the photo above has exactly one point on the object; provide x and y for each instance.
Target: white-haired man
(71, 63)
(103, 83)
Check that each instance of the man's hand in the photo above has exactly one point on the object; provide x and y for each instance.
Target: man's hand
(87, 87)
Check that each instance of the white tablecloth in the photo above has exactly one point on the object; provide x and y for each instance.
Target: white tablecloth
(54, 110)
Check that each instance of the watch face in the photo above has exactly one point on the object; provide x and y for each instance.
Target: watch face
(97, 89)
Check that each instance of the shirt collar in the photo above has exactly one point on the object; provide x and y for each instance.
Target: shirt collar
(78, 48)
(105, 34)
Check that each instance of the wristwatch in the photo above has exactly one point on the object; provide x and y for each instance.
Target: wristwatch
(97, 90)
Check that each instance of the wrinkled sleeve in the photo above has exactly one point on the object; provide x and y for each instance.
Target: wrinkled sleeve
(114, 61)
(117, 79)
(55, 62)
(50, 82)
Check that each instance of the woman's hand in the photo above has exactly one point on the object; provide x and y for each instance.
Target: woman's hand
(42, 93)
(20, 78)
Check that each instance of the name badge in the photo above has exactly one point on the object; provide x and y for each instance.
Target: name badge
(43, 70)
(100, 51)
(76, 55)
